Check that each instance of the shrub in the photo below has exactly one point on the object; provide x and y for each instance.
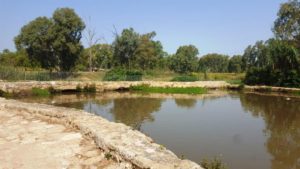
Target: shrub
(185, 78)
(123, 75)
(170, 90)
(215, 163)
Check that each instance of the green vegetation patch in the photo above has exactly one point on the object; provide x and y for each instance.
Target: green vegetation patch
(40, 92)
(169, 90)
(215, 163)
(123, 75)
(185, 78)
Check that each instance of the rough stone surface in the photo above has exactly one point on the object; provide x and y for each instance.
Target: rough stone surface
(127, 146)
(16, 87)
(28, 142)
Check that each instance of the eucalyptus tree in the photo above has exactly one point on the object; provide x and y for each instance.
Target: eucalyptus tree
(287, 25)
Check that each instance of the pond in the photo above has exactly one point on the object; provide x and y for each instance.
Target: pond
(248, 130)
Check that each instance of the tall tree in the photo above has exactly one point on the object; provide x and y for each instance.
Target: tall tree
(36, 39)
(54, 42)
(148, 52)
(125, 47)
(213, 63)
(287, 25)
(185, 59)
(67, 30)
(256, 55)
(92, 40)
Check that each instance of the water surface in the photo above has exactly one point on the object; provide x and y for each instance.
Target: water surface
(249, 130)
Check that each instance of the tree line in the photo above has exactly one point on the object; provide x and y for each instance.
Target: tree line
(55, 44)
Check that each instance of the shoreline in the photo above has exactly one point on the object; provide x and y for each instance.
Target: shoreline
(121, 141)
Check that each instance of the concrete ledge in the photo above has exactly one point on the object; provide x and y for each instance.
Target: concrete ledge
(118, 139)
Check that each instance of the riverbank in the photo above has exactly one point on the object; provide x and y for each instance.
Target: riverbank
(23, 87)
(121, 142)
(29, 142)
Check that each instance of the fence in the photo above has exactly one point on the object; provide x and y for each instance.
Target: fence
(16, 74)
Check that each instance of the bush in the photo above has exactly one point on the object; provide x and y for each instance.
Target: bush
(123, 75)
(215, 163)
(185, 78)
(264, 76)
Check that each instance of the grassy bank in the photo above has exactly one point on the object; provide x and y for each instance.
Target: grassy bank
(169, 90)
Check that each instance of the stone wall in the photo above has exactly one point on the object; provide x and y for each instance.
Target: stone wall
(124, 143)
(17, 87)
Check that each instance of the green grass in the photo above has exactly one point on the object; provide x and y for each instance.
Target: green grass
(297, 93)
(185, 78)
(169, 90)
(40, 92)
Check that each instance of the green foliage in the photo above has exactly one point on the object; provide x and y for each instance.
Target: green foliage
(213, 63)
(215, 163)
(185, 59)
(53, 42)
(235, 64)
(108, 156)
(123, 75)
(132, 50)
(40, 92)
(169, 90)
(256, 56)
(78, 88)
(185, 78)
(282, 68)
(125, 47)
(16, 59)
(287, 25)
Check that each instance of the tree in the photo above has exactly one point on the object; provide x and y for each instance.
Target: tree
(287, 25)
(213, 63)
(185, 59)
(35, 39)
(138, 51)
(148, 52)
(235, 64)
(67, 30)
(281, 69)
(256, 56)
(125, 47)
(54, 43)
(103, 56)
(92, 40)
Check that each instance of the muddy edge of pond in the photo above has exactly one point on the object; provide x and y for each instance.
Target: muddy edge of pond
(121, 141)
(25, 86)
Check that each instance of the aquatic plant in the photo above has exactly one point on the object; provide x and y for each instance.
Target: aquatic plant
(215, 163)
(171, 90)
(40, 92)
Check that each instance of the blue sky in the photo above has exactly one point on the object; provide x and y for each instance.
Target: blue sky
(213, 26)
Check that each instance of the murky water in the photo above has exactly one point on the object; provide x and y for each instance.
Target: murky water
(249, 131)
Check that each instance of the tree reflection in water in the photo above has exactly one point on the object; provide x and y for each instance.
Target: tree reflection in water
(134, 111)
(186, 103)
(282, 120)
